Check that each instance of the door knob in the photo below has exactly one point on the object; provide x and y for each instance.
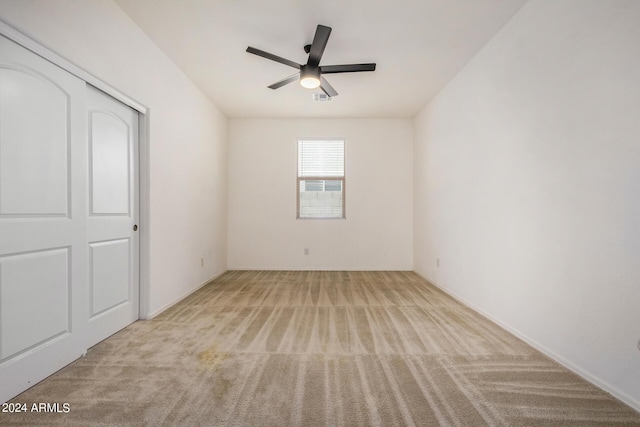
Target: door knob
(135, 227)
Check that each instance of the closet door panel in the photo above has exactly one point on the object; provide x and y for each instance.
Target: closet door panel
(43, 218)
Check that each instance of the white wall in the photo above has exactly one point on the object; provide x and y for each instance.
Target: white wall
(263, 230)
(527, 185)
(188, 139)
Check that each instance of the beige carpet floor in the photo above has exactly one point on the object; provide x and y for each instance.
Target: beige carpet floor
(267, 348)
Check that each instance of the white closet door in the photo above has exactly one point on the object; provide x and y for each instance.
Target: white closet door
(113, 215)
(43, 214)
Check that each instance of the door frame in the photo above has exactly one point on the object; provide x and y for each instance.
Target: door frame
(143, 150)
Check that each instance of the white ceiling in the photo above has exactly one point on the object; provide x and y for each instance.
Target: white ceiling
(419, 45)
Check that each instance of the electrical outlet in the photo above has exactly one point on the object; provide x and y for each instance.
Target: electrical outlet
(202, 262)
(306, 251)
(437, 262)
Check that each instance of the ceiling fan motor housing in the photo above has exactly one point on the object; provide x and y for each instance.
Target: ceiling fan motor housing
(307, 71)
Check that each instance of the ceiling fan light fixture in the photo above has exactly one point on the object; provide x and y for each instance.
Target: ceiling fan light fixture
(309, 77)
(309, 82)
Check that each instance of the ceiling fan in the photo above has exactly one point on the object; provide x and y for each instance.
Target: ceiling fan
(310, 74)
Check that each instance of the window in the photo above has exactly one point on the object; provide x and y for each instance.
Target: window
(320, 186)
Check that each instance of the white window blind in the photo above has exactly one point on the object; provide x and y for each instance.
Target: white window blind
(320, 184)
(320, 158)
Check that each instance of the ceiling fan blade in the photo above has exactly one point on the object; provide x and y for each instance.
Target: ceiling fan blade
(348, 68)
(327, 88)
(318, 45)
(273, 57)
(286, 81)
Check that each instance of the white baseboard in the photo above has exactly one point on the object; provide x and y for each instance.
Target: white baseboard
(183, 296)
(604, 385)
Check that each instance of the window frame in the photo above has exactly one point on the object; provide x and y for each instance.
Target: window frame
(342, 178)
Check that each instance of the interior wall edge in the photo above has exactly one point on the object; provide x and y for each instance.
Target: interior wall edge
(615, 392)
(159, 311)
